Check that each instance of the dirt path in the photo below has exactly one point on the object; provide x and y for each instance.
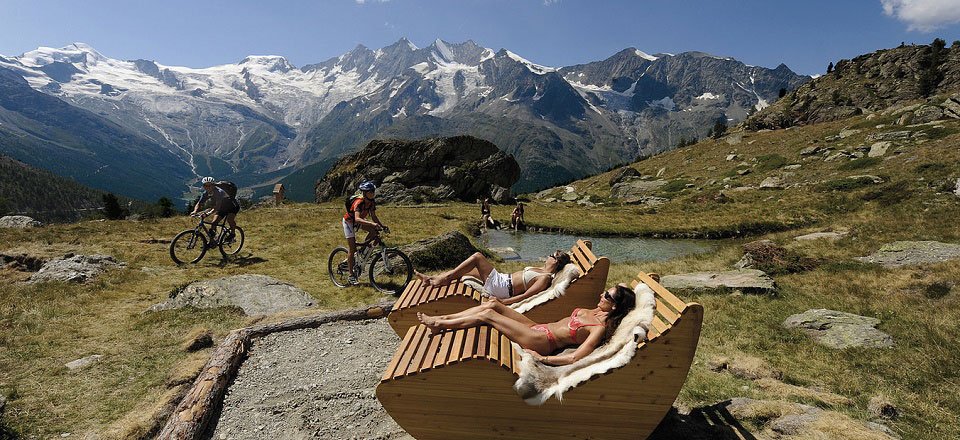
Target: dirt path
(315, 383)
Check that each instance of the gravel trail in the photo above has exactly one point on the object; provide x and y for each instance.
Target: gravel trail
(313, 383)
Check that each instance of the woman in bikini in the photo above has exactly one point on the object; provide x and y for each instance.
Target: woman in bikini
(509, 288)
(586, 328)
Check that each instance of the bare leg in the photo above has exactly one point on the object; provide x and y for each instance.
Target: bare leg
(518, 332)
(476, 263)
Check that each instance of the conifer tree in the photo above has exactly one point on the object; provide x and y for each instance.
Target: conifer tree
(830, 67)
(111, 207)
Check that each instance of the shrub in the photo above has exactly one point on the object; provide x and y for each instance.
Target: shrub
(890, 194)
(674, 186)
(848, 184)
(769, 162)
(863, 162)
(773, 259)
(937, 290)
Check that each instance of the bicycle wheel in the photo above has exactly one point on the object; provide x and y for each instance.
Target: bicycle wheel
(188, 247)
(337, 267)
(232, 246)
(393, 274)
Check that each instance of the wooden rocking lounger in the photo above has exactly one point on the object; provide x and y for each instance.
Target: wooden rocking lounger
(459, 384)
(456, 297)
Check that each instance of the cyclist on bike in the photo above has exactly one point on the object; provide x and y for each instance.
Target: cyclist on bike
(358, 208)
(223, 205)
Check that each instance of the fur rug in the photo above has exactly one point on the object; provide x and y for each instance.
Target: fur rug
(538, 382)
(557, 288)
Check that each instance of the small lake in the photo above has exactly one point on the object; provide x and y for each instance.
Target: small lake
(533, 246)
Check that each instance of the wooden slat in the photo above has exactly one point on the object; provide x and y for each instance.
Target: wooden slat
(432, 294)
(407, 339)
(659, 325)
(431, 355)
(662, 292)
(652, 333)
(591, 257)
(445, 291)
(483, 341)
(417, 359)
(516, 363)
(494, 352)
(422, 294)
(582, 262)
(470, 343)
(412, 294)
(410, 350)
(666, 311)
(458, 343)
(446, 341)
(506, 353)
(405, 296)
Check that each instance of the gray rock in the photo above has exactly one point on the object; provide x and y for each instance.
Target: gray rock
(83, 362)
(749, 280)
(661, 171)
(255, 294)
(840, 329)
(772, 182)
(832, 236)
(734, 139)
(875, 179)
(570, 197)
(847, 133)
(905, 119)
(905, 253)
(623, 174)
(18, 221)
(75, 268)
(879, 149)
(732, 157)
(632, 190)
(507, 253)
(544, 193)
(927, 113)
(744, 172)
(890, 136)
(550, 199)
(3, 404)
(445, 251)
(792, 167)
(951, 107)
(956, 190)
(498, 194)
(811, 150)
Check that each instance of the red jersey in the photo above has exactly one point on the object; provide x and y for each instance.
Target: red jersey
(360, 206)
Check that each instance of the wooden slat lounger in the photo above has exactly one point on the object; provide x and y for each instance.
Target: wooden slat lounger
(582, 292)
(464, 390)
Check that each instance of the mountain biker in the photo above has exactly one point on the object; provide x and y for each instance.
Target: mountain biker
(356, 218)
(223, 205)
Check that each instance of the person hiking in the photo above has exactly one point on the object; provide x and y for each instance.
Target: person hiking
(359, 207)
(224, 206)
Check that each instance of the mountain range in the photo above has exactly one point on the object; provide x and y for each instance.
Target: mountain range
(148, 130)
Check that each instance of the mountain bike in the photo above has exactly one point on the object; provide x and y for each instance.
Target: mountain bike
(389, 268)
(191, 245)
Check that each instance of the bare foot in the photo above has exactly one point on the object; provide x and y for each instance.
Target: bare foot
(430, 322)
(423, 278)
(438, 281)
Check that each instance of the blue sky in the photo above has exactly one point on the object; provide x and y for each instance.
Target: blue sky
(805, 35)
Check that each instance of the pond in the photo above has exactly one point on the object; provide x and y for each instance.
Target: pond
(533, 246)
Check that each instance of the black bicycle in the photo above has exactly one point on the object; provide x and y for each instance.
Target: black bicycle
(191, 245)
(389, 268)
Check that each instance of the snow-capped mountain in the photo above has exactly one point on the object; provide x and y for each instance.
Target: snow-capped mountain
(262, 118)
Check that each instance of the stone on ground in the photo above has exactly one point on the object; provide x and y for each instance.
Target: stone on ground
(633, 190)
(748, 280)
(788, 420)
(906, 253)
(18, 221)
(828, 235)
(744, 367)
(507, 253)
(840, 329)
(255, 294)
(445, 251)
(198, 339)
(75, 268)
(83, 362)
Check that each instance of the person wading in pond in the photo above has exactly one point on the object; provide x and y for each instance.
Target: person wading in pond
(516, 219)
(359, 207)
(485, 213)
(508, 288)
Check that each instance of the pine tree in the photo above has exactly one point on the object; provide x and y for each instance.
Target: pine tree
(830, 67)
(719, 129)
(111, 207)
(166, 207)
(782, 92)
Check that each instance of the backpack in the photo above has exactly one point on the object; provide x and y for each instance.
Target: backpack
(348, 203)
(229, 187)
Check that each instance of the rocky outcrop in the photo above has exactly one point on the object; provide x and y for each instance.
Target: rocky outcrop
(18, 221)
(255, 294)
(431, 170)
(445, 251)
(747, 280)
(75, 268)
(871, 83)
(840, 329)
(906, 253)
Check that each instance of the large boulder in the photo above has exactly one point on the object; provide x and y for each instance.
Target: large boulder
(906, 253)
(75, 268)
(255, 294)
(430, 170)
(18, 221)
(445, 251)
(634, 191)
(747, 280)
(840, 329)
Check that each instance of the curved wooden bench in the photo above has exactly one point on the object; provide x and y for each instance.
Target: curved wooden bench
(456, 297)
(459, 384)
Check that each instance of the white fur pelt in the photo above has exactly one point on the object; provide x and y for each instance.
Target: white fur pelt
(538, 382)
(557, 288)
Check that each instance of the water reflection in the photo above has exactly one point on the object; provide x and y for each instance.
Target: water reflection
(532, 246)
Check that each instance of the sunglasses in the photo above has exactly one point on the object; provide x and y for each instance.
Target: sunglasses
(607, 296)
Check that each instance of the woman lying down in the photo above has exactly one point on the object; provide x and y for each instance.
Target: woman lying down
(585, 328)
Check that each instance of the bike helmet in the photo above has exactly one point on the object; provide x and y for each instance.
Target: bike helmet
(368, 186)
(207, 180)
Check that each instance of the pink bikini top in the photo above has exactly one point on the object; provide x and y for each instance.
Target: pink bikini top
(575, 325)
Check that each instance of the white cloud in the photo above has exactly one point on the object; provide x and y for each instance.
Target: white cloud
(923, 15)
(550, 2)
(362, 2)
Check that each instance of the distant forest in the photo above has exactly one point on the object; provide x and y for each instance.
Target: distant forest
(25, 190)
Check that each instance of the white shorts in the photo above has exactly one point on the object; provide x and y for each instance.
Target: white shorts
(498, 284)
(348, 229)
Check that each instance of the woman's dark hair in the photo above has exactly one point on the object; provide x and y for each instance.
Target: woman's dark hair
(623, 301)
(563, 259)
